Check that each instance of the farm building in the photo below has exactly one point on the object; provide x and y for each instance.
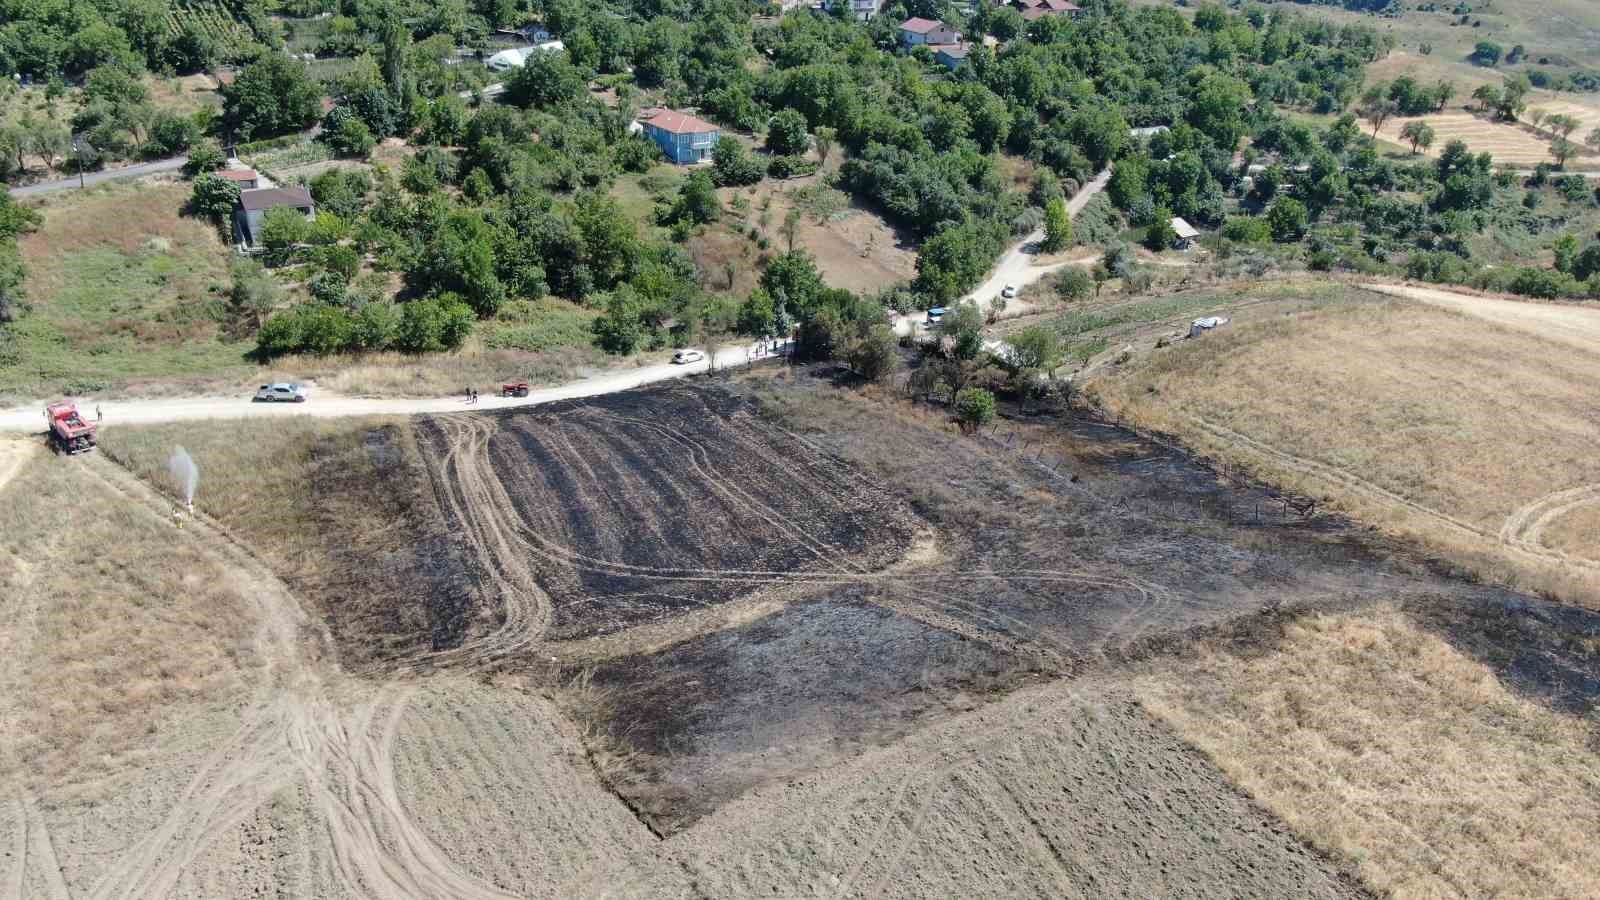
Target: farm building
(246, 179)
(1186, 233)
(254, 205)
(685, 139)
(951, 56)
(916, 31)
(516, 58)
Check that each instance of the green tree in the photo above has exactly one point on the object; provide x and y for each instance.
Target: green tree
(1419, 133)
(610, 239)
(1562, 150)
(1566, 253)
(255, 294)
(1160, 235)
(1287, 218)
(272, 95)
(546, 79)
(974, 408)
(346, 134)
(873, 355)
(1057, 226)
(204, 157)
(963, 325)
(1487, 53)
(732, 165)
(1036, 348)
(786, 134)
(213, 198)
(621, 329)
(824, 140)
(697, 202)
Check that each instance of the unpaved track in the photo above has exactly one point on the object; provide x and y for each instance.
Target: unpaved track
(1525, 527)
(309, 723)
(1576, 326)
(1509, 536)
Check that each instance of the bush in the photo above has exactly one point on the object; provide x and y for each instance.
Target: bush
(345, 133)
(1247, 230)
(786, 134)
(732, 165)
(873, 355)
(1074, 284)
(1287, 218)
(974, 408)
(790, 167)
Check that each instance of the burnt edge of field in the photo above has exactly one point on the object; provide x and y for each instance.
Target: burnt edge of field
(1160, 550)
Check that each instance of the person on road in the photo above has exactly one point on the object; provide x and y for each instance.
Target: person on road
(98, 415)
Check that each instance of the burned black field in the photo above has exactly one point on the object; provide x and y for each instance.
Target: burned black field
(744, 582)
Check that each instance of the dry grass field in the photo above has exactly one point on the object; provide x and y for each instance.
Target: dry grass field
(1471, 434)
(1385, 745)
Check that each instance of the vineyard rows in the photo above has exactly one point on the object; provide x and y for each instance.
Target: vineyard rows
(211, 18)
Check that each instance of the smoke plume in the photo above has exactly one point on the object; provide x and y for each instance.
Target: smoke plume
(185, 473)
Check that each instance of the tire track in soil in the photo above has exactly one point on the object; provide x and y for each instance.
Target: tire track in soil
(294, 730)
(1356, 484)
(1524, 528)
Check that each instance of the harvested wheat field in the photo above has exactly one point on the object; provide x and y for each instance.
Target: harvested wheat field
(1511, 143)
(1472, 430)
(742, 637)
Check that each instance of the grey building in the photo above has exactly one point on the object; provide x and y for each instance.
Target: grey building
(254, 204)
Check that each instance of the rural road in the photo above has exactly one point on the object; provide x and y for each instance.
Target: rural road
(90, 179)
(30, 418)
(1016, 267)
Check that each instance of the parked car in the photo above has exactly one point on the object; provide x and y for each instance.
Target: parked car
(1008, 291)
(935, 315)
(282, 392)
(687, 356)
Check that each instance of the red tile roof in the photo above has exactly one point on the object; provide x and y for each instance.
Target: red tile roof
(674, 122)
(919, 26)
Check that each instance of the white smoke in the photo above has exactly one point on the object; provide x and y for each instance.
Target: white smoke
(185, 473)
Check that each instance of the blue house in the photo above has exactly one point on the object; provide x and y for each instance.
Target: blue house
(684, 138)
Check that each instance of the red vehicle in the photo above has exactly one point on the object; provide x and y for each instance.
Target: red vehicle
(69, 431)
(514, 389)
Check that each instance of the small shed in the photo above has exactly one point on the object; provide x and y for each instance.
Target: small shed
(1209, 323)
(1186, 233)
(246, 179)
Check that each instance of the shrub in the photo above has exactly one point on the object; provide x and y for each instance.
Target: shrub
(790, 167)
(1287, 218)
(1247, 230)
(213, 198)
(1074, 284)
(974, 408)
(732, 165)
(873, 355)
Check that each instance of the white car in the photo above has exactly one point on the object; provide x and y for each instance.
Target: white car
(687, 356)
(282, 392)
(1008, 291)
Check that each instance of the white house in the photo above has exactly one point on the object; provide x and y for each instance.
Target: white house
(914, 31)
(1186, 233)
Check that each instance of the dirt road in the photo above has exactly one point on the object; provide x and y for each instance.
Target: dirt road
(1016, 268)
(90, 179)
(1577, 326)
(30, 419)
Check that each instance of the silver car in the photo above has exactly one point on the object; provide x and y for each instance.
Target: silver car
(282, 392)
(687, 356)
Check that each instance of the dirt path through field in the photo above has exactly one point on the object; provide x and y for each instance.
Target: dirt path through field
(1576, 326)
(1525, 527)
(309, 724)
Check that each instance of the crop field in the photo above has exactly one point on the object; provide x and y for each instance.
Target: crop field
(756, 635)
(212, 18)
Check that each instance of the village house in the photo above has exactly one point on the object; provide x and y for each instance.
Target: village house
(254, 205)
(685, 139)
(518, 57)
(1033, 10)
(915, 31)
(860, 10)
